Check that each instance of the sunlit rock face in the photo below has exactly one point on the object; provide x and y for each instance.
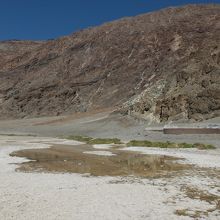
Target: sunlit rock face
(163, 66)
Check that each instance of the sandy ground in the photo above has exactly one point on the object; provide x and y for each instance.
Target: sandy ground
(74, 196)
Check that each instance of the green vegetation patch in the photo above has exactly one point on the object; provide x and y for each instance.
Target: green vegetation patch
(146, 143)
(19, 135)
(105, 141)
(139, 143)
(203, 146)
(168, 144)
(79, 138)
(90, 140)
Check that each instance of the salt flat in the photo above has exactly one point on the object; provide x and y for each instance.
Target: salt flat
(41, 195)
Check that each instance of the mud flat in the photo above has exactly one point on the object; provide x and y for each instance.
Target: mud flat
(85, 160)
(51, 178)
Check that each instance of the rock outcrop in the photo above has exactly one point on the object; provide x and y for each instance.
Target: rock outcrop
(163, 65)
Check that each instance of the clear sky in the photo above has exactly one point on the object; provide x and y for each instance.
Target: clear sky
(46, 19)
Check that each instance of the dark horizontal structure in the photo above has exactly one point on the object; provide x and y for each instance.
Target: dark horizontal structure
(191, 130)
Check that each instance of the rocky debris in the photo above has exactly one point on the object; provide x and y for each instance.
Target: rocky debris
(162, 65)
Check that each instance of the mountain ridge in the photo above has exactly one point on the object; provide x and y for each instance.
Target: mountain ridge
(145, 66)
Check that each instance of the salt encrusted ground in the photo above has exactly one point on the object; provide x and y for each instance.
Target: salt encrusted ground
(73, 196)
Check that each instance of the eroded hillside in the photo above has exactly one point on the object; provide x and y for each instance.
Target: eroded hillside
(163, 65)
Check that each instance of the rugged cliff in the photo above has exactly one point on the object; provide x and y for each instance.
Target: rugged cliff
(163, 65)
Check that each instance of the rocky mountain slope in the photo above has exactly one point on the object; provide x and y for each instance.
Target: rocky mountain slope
(163, 65)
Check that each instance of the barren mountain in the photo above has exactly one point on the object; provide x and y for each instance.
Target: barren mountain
(163, 65)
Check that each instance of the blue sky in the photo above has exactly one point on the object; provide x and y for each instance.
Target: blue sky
(46, 19)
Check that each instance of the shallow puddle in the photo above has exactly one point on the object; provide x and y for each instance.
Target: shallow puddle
(73, 159)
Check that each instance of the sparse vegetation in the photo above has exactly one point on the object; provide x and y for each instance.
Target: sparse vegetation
(139, 143)
(168, 144)
(19, 135)
(105, 141)
(79, 138)
(146, 143)
(90, 140)
(204, 146)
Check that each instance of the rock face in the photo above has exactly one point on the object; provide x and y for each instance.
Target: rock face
(163, 65)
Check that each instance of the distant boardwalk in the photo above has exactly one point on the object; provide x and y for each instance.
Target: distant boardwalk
(191, 130)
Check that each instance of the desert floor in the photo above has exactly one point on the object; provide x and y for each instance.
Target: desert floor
(187, 187)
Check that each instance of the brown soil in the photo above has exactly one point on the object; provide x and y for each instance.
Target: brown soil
(72, 159)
